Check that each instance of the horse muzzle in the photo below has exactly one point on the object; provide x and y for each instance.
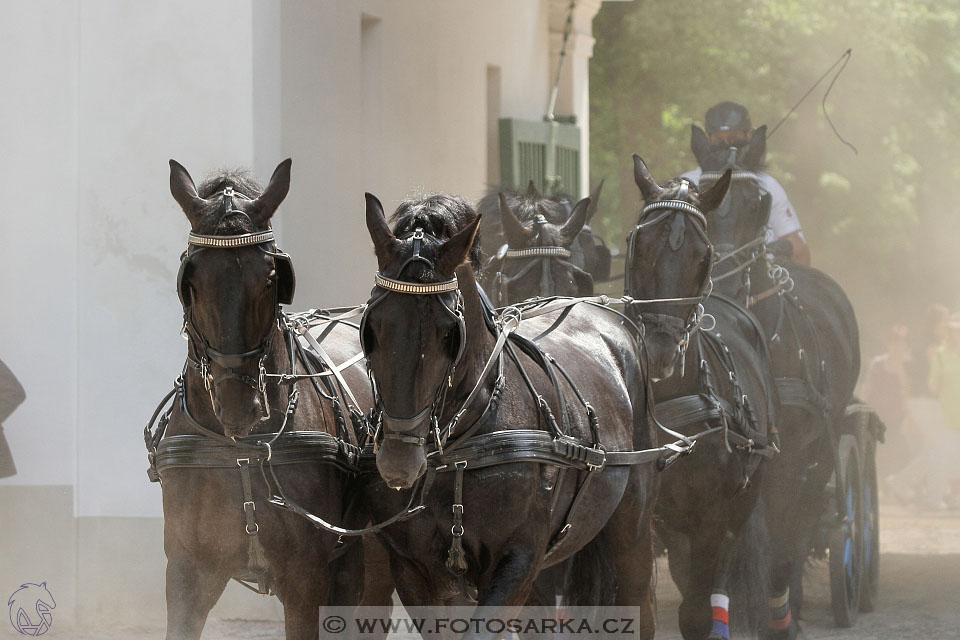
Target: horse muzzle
(401, 457)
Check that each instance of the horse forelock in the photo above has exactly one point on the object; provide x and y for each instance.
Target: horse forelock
(441, 216)
(212, 220)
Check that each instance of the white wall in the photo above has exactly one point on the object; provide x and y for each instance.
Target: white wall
(157, 80)
(39, 44)
(427, 132)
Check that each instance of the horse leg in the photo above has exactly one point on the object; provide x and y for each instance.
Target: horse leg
(347, 575)
(630, 535)
(191, 593)
(377, 580)
(303, 587)
(512, 579)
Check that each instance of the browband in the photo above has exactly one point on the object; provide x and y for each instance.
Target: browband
(676, 205)
(713, 176)
(534, 252)
(242, 240)
(416, 288)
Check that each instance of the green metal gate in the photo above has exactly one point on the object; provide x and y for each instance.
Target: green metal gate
(548, 153)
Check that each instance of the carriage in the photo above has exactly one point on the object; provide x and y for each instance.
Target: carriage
(850, 525)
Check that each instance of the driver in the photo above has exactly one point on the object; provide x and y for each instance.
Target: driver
(728, 124)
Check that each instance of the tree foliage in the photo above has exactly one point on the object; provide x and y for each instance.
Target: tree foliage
(882, 222)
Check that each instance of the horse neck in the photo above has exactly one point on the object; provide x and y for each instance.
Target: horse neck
(277, 361)
(479, 345)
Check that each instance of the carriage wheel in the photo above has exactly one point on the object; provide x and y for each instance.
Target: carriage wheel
(871, 525)
(846, 544)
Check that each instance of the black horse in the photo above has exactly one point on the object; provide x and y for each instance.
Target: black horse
(712, 387)
(217, 452)
(814, 346)
(584, 249)
(538, 258)
(475, 415)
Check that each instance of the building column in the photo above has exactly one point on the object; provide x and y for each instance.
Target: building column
(573, 96)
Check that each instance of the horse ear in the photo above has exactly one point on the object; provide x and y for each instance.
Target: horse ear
(649, 188)
(516, 234)
(269, 201)
(594, 201)
(532, 192)
(573, 225)
(712, 197)
(455, 251)
(583, 281)
(384, 241)
(756, 150)
(185, 192)
(699, 143)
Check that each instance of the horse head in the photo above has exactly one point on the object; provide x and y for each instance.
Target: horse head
(543, 254)
(669, 261)
(743, 215)
(232, 282)
(413, 332)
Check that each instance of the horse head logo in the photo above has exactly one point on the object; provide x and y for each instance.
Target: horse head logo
(30, 607)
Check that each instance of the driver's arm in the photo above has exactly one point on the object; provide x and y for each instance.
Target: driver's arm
(801, 251)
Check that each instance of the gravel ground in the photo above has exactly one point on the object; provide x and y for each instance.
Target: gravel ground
(919, 592)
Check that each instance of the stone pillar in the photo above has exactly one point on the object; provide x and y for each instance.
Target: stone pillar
(573, 97)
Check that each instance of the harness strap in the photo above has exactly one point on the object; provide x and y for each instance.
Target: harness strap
(555, 546)
(509, 326)
(530, 445)
(456, 558)
(256, 559)
(197, 451)
(344, 387)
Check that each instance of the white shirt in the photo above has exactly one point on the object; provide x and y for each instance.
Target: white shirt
(783, 220)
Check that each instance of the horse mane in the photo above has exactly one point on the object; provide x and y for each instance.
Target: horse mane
(440, 215)
(213, 220)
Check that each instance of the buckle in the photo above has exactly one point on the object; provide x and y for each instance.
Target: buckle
(592, 466)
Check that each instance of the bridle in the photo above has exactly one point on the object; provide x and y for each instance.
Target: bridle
(448, 294)
(201, 353)
(696, 316)
(540, 255)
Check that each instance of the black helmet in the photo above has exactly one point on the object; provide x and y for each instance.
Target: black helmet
(727, 116)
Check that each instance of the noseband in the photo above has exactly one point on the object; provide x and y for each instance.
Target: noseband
(696, 316)
(543, 255)
(390, 427)
(201, 352)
